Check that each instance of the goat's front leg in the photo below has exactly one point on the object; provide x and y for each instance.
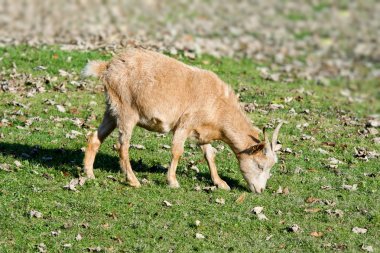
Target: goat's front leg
(178, 142)
(95, 139)
(209, 153)
(125, 165)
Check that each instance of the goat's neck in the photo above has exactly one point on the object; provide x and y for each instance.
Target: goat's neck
(237, 131)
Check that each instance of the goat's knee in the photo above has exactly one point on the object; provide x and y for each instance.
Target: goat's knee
(92, 148)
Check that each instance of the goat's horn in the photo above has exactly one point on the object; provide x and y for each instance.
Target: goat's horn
(266, 141)
(275, 135)
(265, 135)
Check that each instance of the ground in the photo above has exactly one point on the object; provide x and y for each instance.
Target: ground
(323, 194)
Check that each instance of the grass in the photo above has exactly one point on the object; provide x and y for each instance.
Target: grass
(109, 214)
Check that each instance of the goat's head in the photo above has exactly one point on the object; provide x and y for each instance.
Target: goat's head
(257, 160)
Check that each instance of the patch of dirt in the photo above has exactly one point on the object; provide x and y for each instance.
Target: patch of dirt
(302, 39)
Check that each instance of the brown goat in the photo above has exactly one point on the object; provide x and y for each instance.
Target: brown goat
(161, 94)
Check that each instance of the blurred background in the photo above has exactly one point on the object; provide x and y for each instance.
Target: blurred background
(315, 40)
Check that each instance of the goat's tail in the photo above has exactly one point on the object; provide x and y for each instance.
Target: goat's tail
(95, 68)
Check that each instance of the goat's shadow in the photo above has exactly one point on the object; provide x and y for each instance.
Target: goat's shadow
(70, 161)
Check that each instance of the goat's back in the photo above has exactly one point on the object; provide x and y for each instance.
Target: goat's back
(161, 88)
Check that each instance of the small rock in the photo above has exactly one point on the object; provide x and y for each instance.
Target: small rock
(373, 131)
(261, 216)
(195, 168)
(63, 73)
(145, 181)
(367, 248)
(364, 154)
(40, 67)
(326, 187)
(41, 248)
(78, 237)
(307, 137)
(337, 212)
(294, 228)
(298, 170)
(189, 55)
(197, 188)
(333, 162)
(137, 146)
(67, 225)
(85, 225)
(199, 236)
(67, 245)
(74, 182)
(358, 230)
(36, 214)
(18, 163)
(353, 187)
(322, 151)
(258, 209)
(61, 108)
(56, 233)
(292, 111)
(73, 134)
(209, 188)
(373, 123)
(167, 203)
(94, 249)
(220, 201)
(274, 77)
(5, 167)
(249, 107)
(276, 106)
(112, 178)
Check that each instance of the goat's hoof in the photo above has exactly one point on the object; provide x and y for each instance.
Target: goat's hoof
(134, 184)
(223, 185)
(90, 176)
(173, 184)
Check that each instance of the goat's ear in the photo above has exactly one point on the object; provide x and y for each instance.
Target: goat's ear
(257, 148)
(254, 149)
(254, 139)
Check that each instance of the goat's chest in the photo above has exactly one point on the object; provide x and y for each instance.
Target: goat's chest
(155, 125)
(205, 134)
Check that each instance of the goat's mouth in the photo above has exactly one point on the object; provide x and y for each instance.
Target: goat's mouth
(255, 189)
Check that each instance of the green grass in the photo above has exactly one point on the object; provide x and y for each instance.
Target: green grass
(122, 219)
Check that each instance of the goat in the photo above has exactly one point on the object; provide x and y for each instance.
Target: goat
(161, 94)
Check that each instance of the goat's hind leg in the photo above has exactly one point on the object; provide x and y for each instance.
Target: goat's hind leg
(95, 139)
(209, 153)
(125, 134)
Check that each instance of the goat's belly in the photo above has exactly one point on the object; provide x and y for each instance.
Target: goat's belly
(155, 125)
